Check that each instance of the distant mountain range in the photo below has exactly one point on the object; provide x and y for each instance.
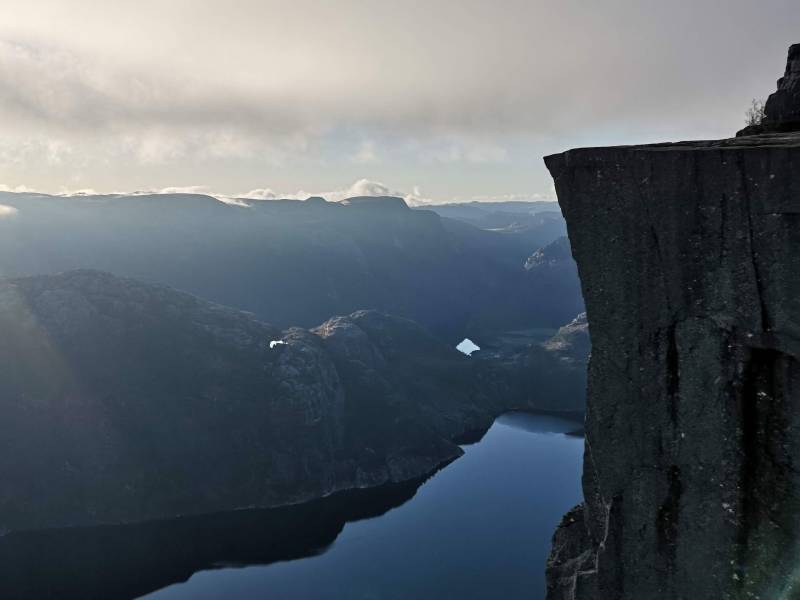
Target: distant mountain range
(456, 269)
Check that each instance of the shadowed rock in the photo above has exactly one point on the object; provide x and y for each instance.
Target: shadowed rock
(782, 109)
(689, 259)
(121, 401)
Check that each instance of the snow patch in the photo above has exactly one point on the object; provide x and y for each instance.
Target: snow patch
(467, 346)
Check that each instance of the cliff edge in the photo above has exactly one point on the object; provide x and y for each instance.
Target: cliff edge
(689, 258)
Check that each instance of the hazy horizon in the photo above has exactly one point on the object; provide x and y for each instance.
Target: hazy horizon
(360, 188)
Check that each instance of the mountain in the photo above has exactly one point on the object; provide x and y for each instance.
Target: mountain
(689, 255)
(291, 262)
(123, 401)
(524, 225)
(477, 212)
(553, 268)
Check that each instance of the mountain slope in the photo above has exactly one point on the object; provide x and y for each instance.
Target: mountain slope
(290, 262)
(122, 401)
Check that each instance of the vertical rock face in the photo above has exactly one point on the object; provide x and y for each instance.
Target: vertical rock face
(689, 258)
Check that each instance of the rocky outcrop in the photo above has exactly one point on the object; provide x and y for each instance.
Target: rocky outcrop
(689, 258)
(556, 254)
(782, 109)
(784, 104)
(572, 343)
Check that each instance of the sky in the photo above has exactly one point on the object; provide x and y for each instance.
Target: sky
(434, 100)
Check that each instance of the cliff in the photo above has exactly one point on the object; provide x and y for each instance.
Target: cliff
(689, 259)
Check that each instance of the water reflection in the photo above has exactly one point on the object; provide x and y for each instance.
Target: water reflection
(539, 423)
(128, 561)
(479, 528)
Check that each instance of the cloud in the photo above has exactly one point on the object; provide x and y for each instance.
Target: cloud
(462, 151)
(365, 154)
(469, 67)
(80, 192)
(133, 94)
(185, 189)
(365, 187)
(361, 187)
(7, 211)
(548, 196)
(262, 194)
(16, 188)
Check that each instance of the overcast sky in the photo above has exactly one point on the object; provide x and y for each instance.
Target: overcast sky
(438, 99)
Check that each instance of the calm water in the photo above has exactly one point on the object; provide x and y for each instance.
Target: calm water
(480, 528)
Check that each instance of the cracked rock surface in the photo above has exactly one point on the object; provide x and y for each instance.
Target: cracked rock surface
(689, 259)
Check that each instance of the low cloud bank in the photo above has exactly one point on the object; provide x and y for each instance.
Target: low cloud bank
(362, 187)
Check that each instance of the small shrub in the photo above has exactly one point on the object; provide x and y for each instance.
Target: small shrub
(755, 114)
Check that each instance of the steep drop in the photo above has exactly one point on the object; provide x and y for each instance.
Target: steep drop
(689, 258)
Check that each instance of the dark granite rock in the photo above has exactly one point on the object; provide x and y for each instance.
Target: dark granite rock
(782, 109)
(784, 104)
(689, 258)
(571, 554)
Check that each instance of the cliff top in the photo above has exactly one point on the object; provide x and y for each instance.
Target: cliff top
(764, 140)
(770, 157)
